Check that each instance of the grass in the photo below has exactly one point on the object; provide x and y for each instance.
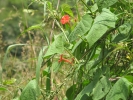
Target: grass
(18, 71)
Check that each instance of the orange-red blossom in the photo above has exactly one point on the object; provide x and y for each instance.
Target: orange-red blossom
(65, 19)
(64, 60)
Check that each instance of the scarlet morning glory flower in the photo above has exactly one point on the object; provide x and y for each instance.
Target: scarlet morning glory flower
(65, 19)
(64, 60)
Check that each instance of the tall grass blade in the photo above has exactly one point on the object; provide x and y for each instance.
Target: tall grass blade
(5, 57)
(39, 63)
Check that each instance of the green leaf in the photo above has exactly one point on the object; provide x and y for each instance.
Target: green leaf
(70, 92)
(76, 45)
(30, 92)
(101, 89)
(131, 98)
(93, 8)
(48, 79)
(48, 83)
(49, 5)
(67, 9)
(85, 97)
(2, 89)
(82, 27)
(16, 98)
(79, 50)
(120, 90)
(101, 24)
(56, 47)
(56, 65)
(46, 71)
(132, 89)
(119, 37)
(129, 78)
(105, 3)
(125, 28)
(9, 82)
(123, 33)
(89, 88)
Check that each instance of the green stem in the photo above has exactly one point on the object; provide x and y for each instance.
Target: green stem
(77, 11)
(72, 55)
(62, 31)
(86, 6)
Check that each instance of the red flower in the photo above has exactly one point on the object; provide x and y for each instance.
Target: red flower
(65, 19)
(65, 60)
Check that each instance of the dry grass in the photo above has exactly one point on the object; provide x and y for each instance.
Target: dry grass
(23, 68)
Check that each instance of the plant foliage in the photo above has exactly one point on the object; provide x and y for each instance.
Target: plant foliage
(96, 46)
